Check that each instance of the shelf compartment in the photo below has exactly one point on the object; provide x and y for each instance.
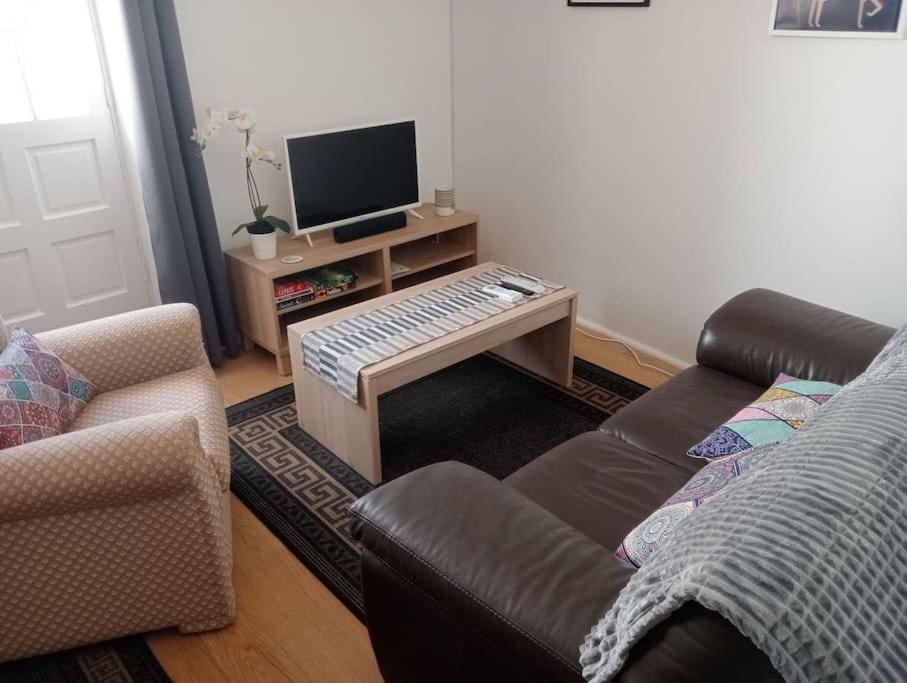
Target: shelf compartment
(418, 277)
(422, 255)
(365, 281)
(361, 265)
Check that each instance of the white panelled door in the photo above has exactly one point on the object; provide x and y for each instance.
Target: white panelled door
(69, 247)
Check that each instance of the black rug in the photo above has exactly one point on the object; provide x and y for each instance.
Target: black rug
(119, 661)
(483, 411)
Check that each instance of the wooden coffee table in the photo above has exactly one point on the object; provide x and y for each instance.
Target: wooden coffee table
(537, 335)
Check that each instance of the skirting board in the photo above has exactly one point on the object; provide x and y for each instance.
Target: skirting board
(639, 347)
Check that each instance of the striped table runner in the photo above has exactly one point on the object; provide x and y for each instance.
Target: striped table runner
(338, 353)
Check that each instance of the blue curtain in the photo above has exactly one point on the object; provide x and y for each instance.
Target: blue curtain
(187, 251)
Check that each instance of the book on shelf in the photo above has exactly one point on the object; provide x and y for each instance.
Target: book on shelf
(331, 280)
(286, 288)
(290, 302)
(311, 284)
(325, 292)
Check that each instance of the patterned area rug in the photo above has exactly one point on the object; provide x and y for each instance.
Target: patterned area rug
(484, 412)
(128, 660)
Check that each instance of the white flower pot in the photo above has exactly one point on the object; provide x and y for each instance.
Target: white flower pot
(264, 247)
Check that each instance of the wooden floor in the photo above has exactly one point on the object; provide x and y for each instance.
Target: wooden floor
(289, 627)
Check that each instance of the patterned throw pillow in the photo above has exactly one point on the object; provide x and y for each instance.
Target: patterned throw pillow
(773, 417)
(705, 485)
(777, 414)
(40, 394)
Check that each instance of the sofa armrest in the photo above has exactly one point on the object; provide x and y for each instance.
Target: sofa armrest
(125, 462)
(495, 561)
(760, 333)
(519, 582)
(133, 347)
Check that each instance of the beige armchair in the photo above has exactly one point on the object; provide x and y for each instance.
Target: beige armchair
(121, 525)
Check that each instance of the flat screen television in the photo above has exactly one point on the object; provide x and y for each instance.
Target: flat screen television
(347, 175)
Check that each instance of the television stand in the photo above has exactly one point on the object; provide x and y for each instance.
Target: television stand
(385, 263)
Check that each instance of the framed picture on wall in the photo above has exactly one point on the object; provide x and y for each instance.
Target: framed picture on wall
(606, 3)
(839, 18)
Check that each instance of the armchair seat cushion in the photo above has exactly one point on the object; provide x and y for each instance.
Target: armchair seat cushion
(193, 391)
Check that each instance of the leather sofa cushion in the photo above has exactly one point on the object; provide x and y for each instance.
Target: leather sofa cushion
(599, 484)
(671, 418)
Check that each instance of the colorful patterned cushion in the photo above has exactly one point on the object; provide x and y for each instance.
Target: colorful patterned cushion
(732, 450)
(705, 485)
(40, 394)
(772, 418)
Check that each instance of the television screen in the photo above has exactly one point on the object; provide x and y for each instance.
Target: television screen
(339, 177)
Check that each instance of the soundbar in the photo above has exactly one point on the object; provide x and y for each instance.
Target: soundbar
(367, 228)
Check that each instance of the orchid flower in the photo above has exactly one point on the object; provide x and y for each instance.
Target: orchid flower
(244, 120)
(216, 119)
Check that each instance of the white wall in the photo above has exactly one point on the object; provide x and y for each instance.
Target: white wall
(314, 64)
(664, 159)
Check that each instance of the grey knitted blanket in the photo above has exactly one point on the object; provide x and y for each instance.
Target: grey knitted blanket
(806, 554)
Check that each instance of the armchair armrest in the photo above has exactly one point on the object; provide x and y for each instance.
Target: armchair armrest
(759, 334)
(119, 463)
(132, 347)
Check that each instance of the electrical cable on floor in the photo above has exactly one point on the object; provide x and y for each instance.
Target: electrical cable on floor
(629, 348)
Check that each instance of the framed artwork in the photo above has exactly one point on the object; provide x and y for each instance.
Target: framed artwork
(607, 3)
(839, 18)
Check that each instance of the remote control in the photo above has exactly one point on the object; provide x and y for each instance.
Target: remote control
(533, 287)
(503, 294)
(516, 288)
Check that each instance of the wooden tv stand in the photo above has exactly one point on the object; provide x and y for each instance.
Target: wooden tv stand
(430, 248)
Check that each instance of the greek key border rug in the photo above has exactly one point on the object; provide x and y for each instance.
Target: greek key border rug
(483, 411)
(127, 660)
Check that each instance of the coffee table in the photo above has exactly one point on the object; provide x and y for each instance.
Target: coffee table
(537, 335)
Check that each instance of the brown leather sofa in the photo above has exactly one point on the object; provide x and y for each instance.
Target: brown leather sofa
(468, 578)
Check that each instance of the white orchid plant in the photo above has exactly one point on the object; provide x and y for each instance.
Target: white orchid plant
(244, 121)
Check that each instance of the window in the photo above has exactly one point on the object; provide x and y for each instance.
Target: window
(48, 64)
